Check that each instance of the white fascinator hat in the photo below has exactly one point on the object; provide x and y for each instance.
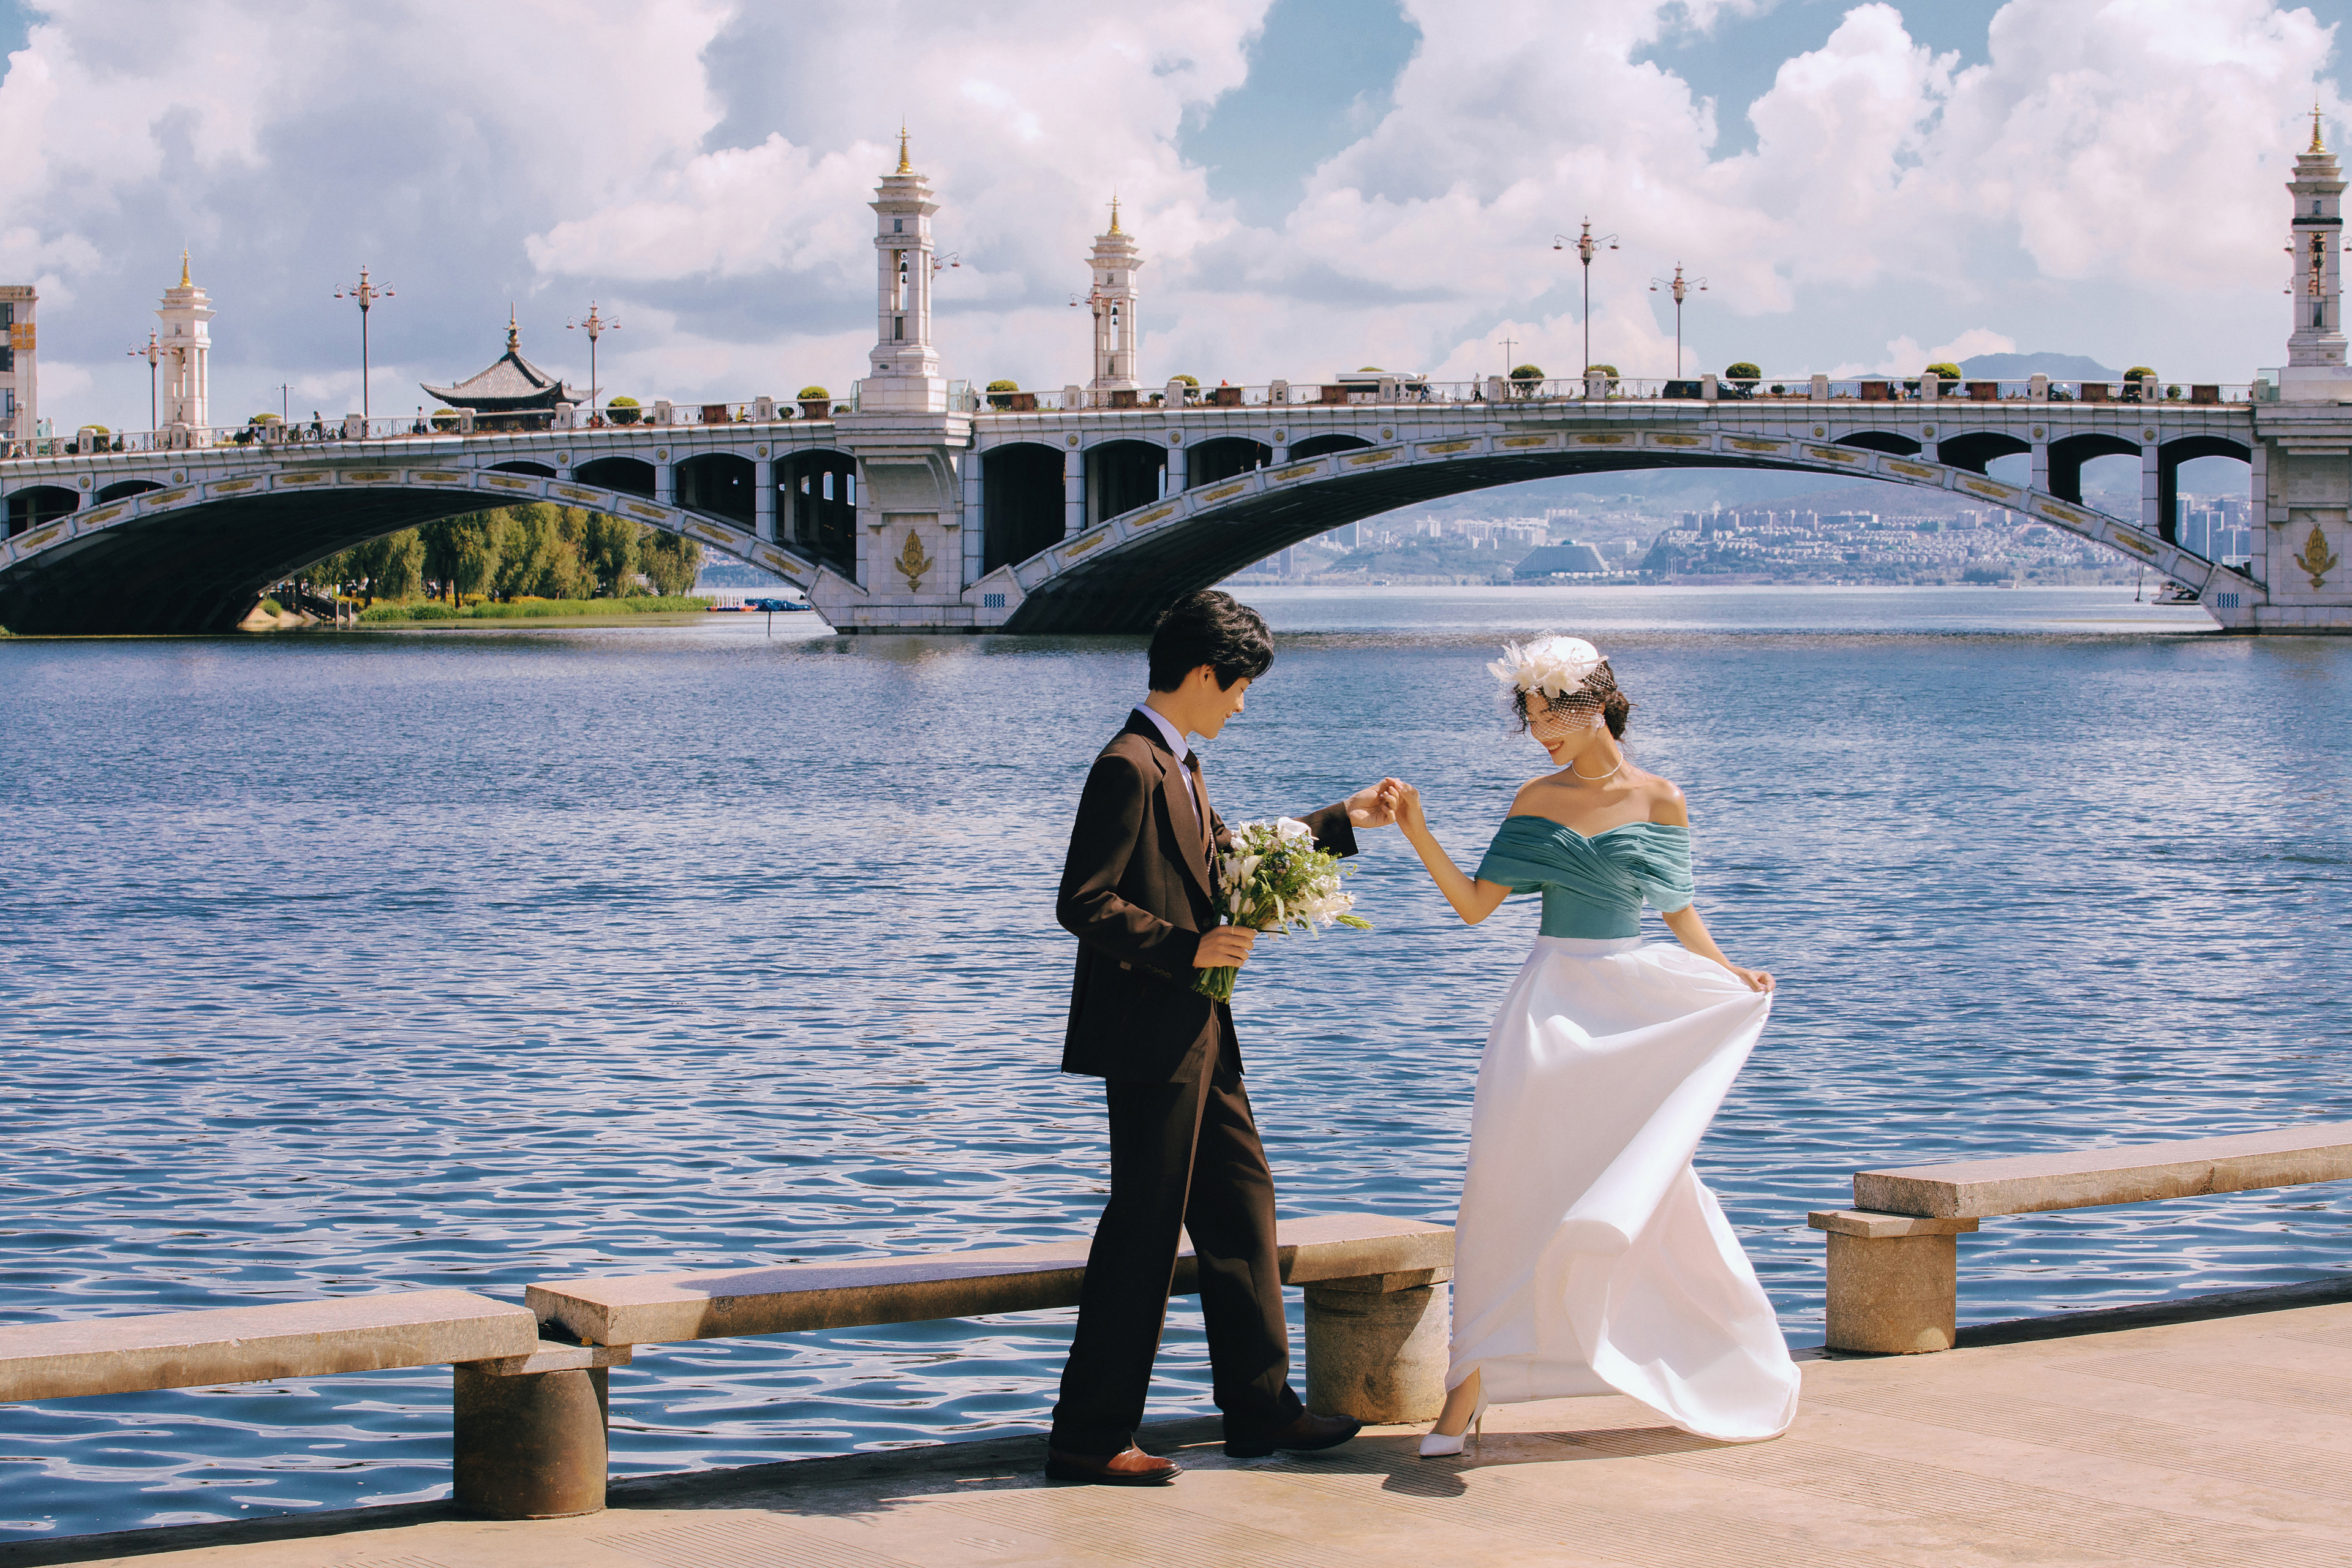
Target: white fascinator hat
(1555, 666)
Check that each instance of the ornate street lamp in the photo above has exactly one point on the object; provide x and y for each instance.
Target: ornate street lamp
(367, 294)
(595, 327)
(1588, 246)
(1681, 288)
(151, 354)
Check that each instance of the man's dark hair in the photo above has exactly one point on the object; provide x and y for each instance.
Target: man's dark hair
(1211, 628)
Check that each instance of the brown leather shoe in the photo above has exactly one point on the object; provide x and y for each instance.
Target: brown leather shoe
(1132, 1466)
(1303, 1436)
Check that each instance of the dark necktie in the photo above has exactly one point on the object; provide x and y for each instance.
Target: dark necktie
(1201, 815)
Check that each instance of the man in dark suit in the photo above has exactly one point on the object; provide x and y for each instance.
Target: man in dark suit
(1139, 892)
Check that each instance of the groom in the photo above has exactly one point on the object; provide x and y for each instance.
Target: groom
(1139, 892)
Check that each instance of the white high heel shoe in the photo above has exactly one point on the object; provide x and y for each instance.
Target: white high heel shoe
(1436, 1445)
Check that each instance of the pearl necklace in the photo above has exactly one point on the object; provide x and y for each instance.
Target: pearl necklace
(1598, 778)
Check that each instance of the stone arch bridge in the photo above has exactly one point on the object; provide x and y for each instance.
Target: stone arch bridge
(1090, 519)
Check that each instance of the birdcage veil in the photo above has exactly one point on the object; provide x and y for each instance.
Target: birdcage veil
(1570, 675)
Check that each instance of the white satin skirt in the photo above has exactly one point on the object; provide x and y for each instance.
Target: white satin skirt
(1589, 1258)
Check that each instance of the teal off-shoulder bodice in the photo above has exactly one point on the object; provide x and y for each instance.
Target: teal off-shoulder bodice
(1592, 887)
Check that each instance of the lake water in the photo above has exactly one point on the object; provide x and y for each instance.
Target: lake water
(337, 963)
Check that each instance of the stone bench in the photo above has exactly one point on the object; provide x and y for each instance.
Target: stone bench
(502, 1366)
(1375, 1287)
(1892, 1259)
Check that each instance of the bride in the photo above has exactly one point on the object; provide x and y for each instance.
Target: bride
(1589, 1258)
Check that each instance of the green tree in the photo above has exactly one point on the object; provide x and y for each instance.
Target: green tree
(461, 553)
(608, 545)
(542, 559)
(390, 566)
(622, 410)
(1528, 372)
(1747, 371)
(2138, 372)
(670, 562)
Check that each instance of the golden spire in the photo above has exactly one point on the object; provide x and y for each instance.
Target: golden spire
(183, 270)
(514, 333)
(1114, 212)
(904, 167)
(2316, 145)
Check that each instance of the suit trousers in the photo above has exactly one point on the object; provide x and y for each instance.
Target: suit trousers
(1183, 1156)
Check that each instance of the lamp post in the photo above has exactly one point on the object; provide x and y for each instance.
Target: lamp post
(153, 352)
(595, 327)
(1681, 288)
(367, 294)
(1588, 244)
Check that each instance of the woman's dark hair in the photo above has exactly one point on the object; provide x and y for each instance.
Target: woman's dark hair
(1213, 628)
(1615, 709)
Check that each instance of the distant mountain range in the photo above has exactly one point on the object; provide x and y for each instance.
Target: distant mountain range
(2017, 367)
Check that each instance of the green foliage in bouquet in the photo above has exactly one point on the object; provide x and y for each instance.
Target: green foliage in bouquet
(1274, 879)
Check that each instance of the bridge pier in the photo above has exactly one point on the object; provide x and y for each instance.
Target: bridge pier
(1172, 482)
(1074, 491)
(763, 497)
(2156, 518)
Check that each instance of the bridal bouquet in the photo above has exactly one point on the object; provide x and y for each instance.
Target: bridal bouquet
(1275, 878)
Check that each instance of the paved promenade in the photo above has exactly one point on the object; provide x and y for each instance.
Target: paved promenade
(2218, 1441)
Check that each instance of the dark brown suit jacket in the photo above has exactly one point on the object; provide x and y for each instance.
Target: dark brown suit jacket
(1137, 890)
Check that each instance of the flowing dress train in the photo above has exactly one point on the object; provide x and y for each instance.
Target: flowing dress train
(1590, 1259)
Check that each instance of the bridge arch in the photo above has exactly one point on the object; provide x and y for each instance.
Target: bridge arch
(1122, 475)
(1117, 575)
(1975, 451)
(720, 483)
(2171, 455)
(1224, 458)
(1893, 441)
(1024, 501)
(819, 515)
(33, 505)
(538, 470)
(1321, 446)
(630, 476)
(195, 557)
(2069, 453)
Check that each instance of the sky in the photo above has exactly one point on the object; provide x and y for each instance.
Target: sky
(1316, 184)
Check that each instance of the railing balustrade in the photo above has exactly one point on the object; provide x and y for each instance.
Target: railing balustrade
(1399, 391)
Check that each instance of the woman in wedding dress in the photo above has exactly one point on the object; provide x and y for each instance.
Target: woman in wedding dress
(1589, 1258)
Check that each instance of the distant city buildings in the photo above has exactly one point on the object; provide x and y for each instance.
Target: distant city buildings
(20, 394)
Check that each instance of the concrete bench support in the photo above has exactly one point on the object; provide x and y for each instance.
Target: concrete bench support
(531, 1447)
(1377, 1345)
(1893, 1274)
(1893, 1281)
(529, 1437)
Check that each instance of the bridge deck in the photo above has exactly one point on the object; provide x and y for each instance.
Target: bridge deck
(2211, 1440)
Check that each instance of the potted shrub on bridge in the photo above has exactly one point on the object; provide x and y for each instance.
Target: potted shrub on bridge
(1527, 380)
(815, 403)
(1608, 375)
(1003, 395)
(622, 411)
(2134, 380)
(1740, 376)
(1947, 377)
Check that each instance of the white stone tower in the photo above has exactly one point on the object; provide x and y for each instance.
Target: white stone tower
(20, 377)
(187, 341)
(906, 366)
(1115, 262)
(2316, 370)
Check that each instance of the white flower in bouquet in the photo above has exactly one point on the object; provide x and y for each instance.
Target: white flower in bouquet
(1274, 879)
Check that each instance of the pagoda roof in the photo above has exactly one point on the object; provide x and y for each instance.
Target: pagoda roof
(510, 383)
